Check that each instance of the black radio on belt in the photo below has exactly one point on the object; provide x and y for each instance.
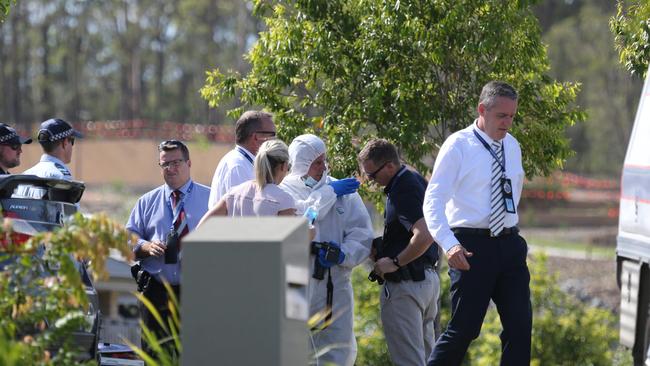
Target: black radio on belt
(331, 255)
(172, 246)
(141, 277)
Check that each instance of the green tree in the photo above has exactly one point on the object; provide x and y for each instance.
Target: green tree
(631, 28)
(581, 50)
(4, 8)
(407, 71)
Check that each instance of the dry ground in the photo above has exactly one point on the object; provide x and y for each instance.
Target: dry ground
(593, 281)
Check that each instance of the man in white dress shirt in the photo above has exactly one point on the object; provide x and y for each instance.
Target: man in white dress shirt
(236, 167)
(470, 207)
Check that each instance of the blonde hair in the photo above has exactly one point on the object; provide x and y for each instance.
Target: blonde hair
(271, 154)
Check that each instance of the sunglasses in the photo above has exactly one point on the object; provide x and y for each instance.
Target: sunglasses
(14, 147)
(71, 141)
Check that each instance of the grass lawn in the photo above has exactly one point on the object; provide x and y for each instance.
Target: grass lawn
(556, 243)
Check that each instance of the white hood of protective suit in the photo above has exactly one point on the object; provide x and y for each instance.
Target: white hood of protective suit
(303, 150)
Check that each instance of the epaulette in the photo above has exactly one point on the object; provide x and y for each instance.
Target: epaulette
(62, 169)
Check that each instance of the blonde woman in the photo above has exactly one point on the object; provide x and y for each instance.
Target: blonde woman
(262, 196)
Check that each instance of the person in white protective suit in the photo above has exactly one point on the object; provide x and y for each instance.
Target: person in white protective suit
(342, 222)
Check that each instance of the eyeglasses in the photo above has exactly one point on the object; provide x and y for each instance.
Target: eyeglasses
(270, 133)
(171, 164)
(374, 174)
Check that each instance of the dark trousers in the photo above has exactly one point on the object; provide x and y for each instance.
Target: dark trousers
(498, 272)
(157, 295)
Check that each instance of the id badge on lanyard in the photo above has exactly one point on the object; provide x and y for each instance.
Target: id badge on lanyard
(506, 183)
(506, 189)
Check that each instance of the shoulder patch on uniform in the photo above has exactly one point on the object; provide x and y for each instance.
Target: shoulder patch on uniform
(62, 169)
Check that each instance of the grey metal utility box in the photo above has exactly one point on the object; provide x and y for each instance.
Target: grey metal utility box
(244, 292)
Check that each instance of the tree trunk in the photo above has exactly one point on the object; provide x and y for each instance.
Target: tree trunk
(5, 106)
(26, 97)
(47, 104)
(136, 84)
(160, 73)
(15, 114)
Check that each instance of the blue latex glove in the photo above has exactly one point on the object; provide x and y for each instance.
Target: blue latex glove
(345, 186)
(322, 256)
(311, 214)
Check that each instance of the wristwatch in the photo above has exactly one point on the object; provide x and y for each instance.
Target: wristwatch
(396, 262)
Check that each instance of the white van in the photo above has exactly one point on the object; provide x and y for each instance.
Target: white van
(633, 240)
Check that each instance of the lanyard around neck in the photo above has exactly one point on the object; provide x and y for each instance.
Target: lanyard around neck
(241, 151)
(502, 163)
(179, 205)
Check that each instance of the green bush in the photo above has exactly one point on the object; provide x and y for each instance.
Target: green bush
(565, 330)
(38, 287)
(372, 349)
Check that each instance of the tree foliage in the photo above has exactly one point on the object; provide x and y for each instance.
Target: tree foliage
(631, 28)
(4, 8)
(117, 59)
(582, 51)
(42, 283)
(410, 72)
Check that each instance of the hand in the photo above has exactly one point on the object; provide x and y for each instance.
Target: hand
(345, 186)
(385, 265)
(456, 257)
(373, 253)
(154, 248)
(322, 256)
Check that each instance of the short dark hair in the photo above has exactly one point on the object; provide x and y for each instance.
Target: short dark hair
(171, 145)
(379, 151)
(249, 123)
(495, 89)
(47, 145)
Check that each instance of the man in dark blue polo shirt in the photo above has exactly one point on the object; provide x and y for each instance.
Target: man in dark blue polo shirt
(405, 257)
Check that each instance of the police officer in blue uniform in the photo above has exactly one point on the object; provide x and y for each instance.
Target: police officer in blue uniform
(10, 148)
(57, 138)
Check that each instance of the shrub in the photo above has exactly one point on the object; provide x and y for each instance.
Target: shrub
(43, 284)
(565, 331)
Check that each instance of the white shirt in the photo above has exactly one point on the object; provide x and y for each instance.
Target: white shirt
(247, 200)
(50, 167)
(47, 167)
(458, 194)
(235, 168)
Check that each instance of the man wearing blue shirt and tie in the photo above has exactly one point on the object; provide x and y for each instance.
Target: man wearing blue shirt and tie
(160, 219)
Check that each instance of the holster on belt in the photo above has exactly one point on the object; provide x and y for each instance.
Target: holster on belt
(142, 278)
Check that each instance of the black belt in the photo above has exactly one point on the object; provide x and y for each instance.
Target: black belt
(403, 273)
(484, 232)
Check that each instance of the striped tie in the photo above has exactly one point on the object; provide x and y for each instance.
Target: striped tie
(180, 220)
(498, 209)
